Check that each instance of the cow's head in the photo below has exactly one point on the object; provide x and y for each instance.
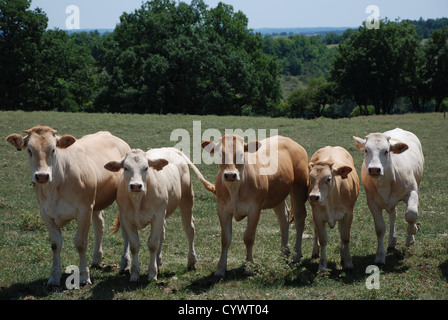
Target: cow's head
(322, 180)
(136, 165)
(231, 150)
(377, 148)
(42, 146)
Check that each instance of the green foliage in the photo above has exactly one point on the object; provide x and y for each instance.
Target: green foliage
(371, 65)
(21, 31)
(300, 55)
(165, 58)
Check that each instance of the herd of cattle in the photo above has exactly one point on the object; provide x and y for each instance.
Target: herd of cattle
(78, 179)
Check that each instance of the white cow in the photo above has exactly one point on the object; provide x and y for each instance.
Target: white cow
(153, 185)
(333, 190)
(391, 172)
(71, 184)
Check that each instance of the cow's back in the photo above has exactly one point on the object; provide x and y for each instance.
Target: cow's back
(292, 168)
(87, 158)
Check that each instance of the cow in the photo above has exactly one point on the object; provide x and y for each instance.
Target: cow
(152, 186)
(254, 176)
(391, 172)
(71, 184)
(333, 191)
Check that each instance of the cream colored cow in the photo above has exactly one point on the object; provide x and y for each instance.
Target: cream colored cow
(71, 184)
(333, 190)
(255, 176)
(152, 186)
(391, 172)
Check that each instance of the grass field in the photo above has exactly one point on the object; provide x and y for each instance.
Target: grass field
(418, 272)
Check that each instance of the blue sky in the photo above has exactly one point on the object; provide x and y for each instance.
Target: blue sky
(104, 14)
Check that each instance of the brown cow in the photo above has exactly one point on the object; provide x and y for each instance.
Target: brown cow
(257, 176)
(334, 188)
(71, 183)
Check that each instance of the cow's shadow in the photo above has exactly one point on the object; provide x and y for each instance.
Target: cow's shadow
(307, 271)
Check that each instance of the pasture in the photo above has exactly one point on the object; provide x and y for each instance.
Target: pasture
(418, 272)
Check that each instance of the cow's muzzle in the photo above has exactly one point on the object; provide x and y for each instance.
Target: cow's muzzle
(42, 177)
(375, 171)
(230, 176)
(135, 187)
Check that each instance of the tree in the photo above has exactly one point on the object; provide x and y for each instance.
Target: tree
(21, 31)
(371, 65)
(436, 57)
(66, 74)
(186, 59)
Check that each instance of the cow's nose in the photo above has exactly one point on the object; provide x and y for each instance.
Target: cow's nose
(136, 187)
(229, 176)
(42, 177)
(314, 197)
(374, 171)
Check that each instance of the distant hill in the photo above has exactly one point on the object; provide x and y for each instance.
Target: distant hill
(100, 31)
(306, 31)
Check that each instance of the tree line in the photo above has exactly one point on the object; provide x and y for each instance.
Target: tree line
(169, 57)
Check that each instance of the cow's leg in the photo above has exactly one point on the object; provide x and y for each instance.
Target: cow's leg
(249, 234)
(98, 227)
(125, 264)
(392, 240)
(298, 199)
(186, 210)
(130, 234)
(282, 213)
(321, 233)
(225, 220)
(157, 230)
(159, 251)
(411, 216)
(380, 229)
(344, 230)
(316, 247)
(80, 241)
(56, 246)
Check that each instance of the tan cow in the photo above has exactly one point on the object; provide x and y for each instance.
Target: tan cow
(255, 176)
(333, 190)
(153, 185)
(71, 184)
(391, 172)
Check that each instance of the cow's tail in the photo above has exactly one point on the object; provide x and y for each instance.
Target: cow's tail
(207, 184)
(291, 215)
(116, 226)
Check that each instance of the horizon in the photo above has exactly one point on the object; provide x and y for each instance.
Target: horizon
(262, 14)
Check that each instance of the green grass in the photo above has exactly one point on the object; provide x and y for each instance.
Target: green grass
(419, 272)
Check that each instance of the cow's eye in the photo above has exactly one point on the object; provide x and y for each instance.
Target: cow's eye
(126, 169)
(145, 169)
(365, 151)
(386, 153)
(30, 153)
(53, 151)
(328, 180)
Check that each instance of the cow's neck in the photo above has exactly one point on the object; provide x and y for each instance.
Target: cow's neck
(233, 189)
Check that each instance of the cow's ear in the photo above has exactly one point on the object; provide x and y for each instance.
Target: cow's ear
(114, 166)
(343, 171)
(310, 166)
(252, 146)
(158, 164)
(65, 141)
(209, 146)
(360, 143)
(17, 141)
(398, 147)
